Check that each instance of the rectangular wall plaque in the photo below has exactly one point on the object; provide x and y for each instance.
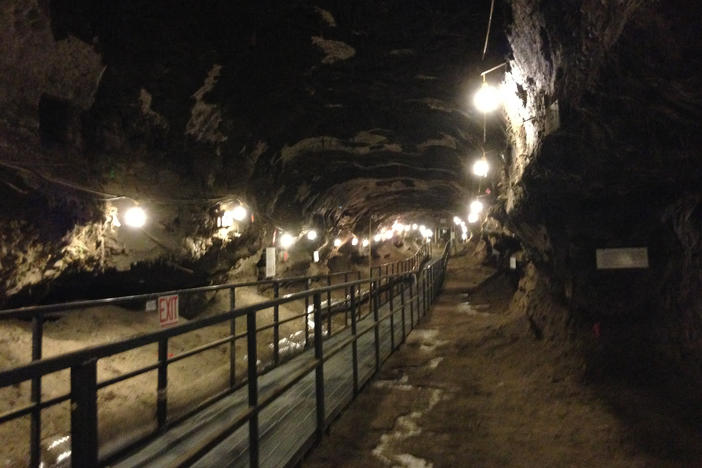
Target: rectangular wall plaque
(270, 262)
(634, 257)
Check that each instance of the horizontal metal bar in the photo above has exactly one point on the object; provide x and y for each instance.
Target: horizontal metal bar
(25, 312)
(49, 365)
(200, 349)
(128, 375)
(18, 413)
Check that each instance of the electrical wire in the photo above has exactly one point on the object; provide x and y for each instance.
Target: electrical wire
(487, 34)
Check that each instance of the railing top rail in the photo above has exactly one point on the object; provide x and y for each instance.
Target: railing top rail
(29, 311)
(419, 251)
(64, 361)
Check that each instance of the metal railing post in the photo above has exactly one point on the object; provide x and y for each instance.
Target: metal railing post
(402, 305)
(232, 344)
(354, 343)
(84, 429)
(329, 314)
(253, 387)
(376, 324)
(276, 325)
(413, 280)
(162, 388)
(319, 370)
(35, 428)
(392, 316)
(346, 300)
(308, 282)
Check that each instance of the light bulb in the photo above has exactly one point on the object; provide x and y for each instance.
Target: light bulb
(354, 241)
(476, 207)
(481, 167)
(239, 213)
(473, 218)
(135, 217)
(337, 242)
(286, 240)
(365, 243)
(487, 99)
(312, 235)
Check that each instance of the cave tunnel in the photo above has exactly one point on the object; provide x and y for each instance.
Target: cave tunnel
(507, 191)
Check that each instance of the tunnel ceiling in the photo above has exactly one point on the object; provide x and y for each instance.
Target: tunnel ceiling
(331, 108)
(312, 113)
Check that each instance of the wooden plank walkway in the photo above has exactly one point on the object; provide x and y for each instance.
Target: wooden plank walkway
(290, 421)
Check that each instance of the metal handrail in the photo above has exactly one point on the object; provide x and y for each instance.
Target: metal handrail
(83, 363)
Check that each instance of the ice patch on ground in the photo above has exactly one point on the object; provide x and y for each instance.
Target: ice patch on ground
(426, 339)
(405, 427)
(471, 309)
(434, 363)
(399, 384)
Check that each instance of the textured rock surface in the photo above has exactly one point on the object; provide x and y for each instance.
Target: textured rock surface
(314, 114)
(622, 170)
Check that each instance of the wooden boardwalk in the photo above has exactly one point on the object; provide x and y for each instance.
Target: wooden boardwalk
(289, 422)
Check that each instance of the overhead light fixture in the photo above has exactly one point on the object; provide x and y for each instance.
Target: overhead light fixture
(481, 167)
(414, 227)
(135, 217)
(337, 242)
(239, 213)
(315, 256)
(473, 218)
(377, 238)
(487, 99)
(476, 206)
(388, 235)
(456, 220)
(286, 240)
(365, 243)
(312, 235)
(354, 241)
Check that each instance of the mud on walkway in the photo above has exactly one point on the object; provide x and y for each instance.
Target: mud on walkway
(471, 387)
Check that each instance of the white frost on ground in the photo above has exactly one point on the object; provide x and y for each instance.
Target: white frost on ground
(334, 50)
(397, 384)
(434, 363)
(407, 426)
(426, 339)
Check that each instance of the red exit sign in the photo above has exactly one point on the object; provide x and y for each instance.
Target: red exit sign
(168, 310)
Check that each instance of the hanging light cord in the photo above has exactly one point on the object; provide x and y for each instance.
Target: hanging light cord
(487, 34)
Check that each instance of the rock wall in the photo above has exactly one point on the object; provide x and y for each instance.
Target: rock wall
(621, 170)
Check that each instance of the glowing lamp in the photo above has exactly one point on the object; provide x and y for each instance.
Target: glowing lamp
(476, 207)
(315, 256)
(473, 218)
(487, 99)
(286, 240)
(414, 227)
(365, 243)
(239, 213)
(312, 235)
(481, 167)
(337, 242)
(456, 220)
(354, 241)
(135, 217)
(388, 235)
(377, 238)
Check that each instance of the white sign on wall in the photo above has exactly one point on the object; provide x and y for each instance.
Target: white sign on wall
(553, 118)
(633, 257)
(168, 310)
(270, 262)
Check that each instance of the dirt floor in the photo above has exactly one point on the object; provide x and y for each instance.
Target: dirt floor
(472, 388)
(126, 410)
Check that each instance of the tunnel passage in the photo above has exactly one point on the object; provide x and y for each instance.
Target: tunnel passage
(346, 118)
